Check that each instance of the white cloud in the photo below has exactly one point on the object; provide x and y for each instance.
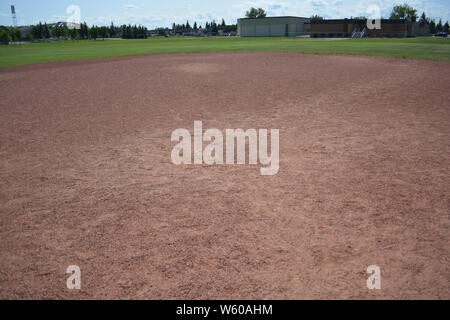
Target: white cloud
(335, 8)
(305, 8)
(130, 6)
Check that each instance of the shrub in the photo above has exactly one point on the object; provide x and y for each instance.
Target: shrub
(4, 37)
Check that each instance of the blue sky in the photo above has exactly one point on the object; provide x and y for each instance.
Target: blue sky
(162, 13)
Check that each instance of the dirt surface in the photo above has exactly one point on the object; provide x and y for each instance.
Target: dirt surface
(86, 178)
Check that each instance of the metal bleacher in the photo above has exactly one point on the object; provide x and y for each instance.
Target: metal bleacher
(357, 34)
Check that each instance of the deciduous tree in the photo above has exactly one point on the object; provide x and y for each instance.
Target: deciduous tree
(404, 11)
(254, 13)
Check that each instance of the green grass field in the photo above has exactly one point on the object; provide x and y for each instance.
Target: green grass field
(414, 48)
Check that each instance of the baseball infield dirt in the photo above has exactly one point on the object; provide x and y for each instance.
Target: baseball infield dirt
(87, 178)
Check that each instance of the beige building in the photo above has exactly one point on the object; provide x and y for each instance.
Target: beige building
(273, 27)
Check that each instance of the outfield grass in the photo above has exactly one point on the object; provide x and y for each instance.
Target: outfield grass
(414, 48)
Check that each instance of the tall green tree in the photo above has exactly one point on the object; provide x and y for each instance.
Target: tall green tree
(214, 27)
(93, 32)
(41, 31)
(47, 33)
(129, 33)
(112, 30)
(34, 32)
(439, 26)
(59, 32)
(14, 34)
(404, 11)
(4, 37)
(103, 32)
(84, 31)
(316, 18)
(73, 33)
(254, 13)
(423, 19)
(432, 26)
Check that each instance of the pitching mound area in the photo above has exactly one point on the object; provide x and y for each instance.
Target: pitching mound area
(86, 178)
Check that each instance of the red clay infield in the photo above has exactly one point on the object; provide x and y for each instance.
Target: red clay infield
(87, 178)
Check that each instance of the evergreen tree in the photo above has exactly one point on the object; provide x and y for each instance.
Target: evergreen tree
(129, 33)
(432, 26)
(423, 19)
(103, 32)
(46, 31)
(36, 31)
(439, 26)
(214, 28)
(112, 30)
(14, 34)
(4, 37)
(73, 33)
(58, 32)
(93, 32)
(84, 31)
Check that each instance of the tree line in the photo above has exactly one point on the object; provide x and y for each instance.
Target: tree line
(83, 32)
(211, 28)
(405, 11)
(432, 25)
(43, 31)
(134, 32)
